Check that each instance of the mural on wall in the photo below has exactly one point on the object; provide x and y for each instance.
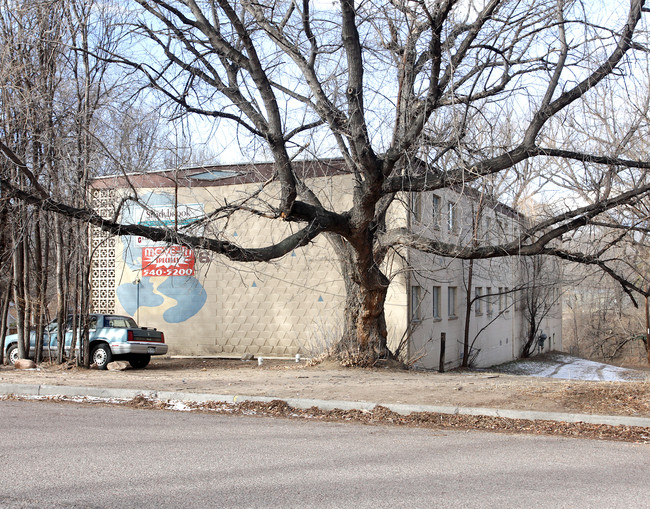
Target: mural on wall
(160, 270)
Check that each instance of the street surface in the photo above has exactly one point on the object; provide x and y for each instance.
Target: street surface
(60, 455)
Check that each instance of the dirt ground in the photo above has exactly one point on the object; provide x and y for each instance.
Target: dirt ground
(283, 379)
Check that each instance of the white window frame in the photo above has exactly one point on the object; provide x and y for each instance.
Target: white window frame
(488, 301)
(436, 295)
(416, 206)
(416, 303)
(452, 217)
(452, 292)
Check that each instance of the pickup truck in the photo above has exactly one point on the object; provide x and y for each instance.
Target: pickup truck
(112, 337)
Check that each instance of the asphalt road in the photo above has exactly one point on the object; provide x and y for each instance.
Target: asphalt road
(59, 455)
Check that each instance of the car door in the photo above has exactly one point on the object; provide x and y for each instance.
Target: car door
(50, 340)
(68, 336)
(92, 331)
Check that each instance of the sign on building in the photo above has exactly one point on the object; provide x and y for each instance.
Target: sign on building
(167, 261)
(180, 217)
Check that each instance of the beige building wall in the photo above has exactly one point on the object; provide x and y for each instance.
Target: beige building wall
(295, 304)
(292, 305)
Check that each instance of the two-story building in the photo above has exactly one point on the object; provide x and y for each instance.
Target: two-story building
(208, 305)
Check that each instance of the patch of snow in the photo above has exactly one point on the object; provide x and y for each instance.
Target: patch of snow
(177, 406)
(568, 367)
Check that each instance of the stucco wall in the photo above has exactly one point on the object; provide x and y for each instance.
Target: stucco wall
(292, 305)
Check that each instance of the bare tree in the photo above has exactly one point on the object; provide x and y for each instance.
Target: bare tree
(600, 320)
(413, 97)
(52, 90)
(540, 297)
(30, 38)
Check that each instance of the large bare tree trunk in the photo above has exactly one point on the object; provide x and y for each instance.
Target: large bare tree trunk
(365, 335)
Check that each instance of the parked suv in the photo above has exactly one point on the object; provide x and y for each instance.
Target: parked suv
(112, 337)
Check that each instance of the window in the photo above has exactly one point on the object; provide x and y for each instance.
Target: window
(416, 300)
(488, 228)
(451, 301)
(120, 322)
(436, 302)
(416, 206)
(437, 209)
(501, 299)
(478, 300)
(215, 175)
(452, 219)
(502, 232)
(488, 300)
(507, 299)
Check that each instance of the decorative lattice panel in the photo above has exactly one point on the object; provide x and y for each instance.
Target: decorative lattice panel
(102, 252)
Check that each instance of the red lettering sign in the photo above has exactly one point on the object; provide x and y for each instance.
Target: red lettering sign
(167, 261)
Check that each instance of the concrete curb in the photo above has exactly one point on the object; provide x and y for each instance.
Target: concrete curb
(27, 390)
